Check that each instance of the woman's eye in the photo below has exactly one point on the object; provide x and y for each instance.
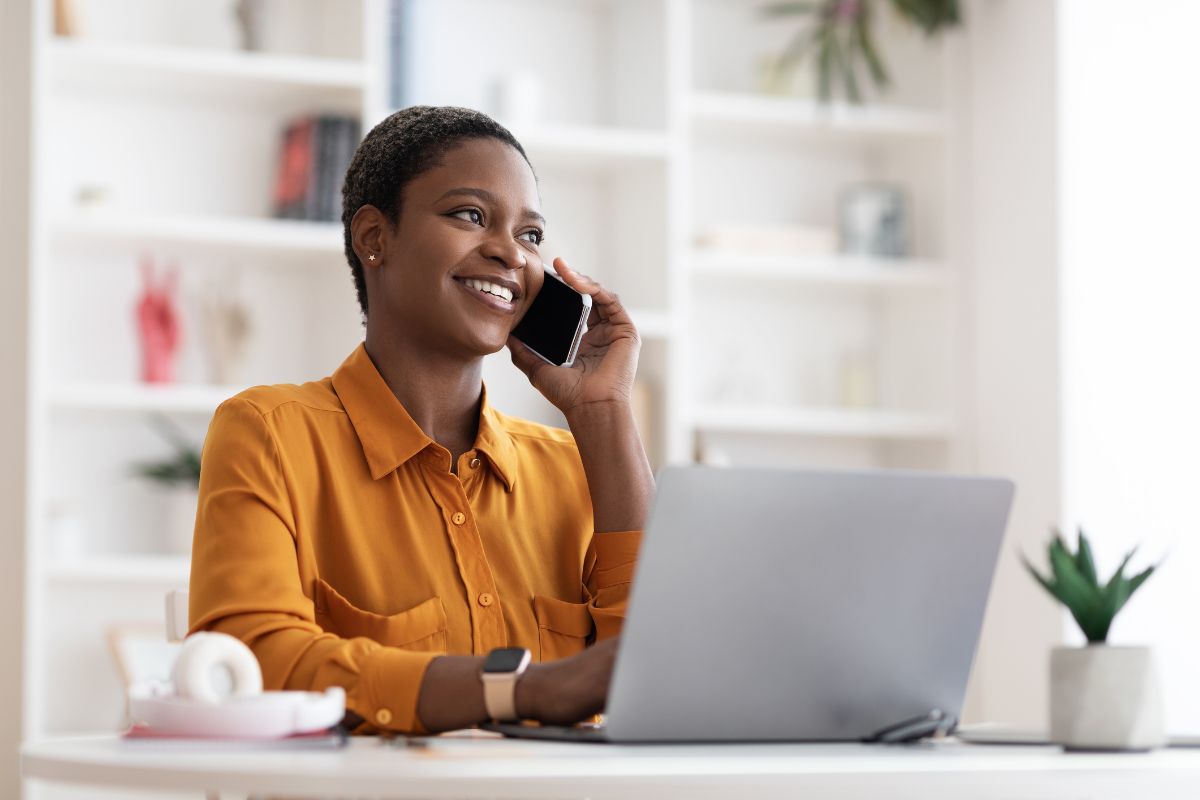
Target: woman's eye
(472, 215)
(534, 237)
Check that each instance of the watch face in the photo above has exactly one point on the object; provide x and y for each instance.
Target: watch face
(506, 659)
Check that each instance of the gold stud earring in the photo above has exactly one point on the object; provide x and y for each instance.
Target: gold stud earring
(371, 257)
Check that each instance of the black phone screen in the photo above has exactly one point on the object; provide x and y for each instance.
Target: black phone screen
(549, 325)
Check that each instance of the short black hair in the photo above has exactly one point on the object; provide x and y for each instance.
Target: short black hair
(406, 144)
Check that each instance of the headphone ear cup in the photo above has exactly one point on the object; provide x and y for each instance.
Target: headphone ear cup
(204, 657)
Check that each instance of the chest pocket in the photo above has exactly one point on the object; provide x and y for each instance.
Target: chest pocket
(421, 628)
(563, 628)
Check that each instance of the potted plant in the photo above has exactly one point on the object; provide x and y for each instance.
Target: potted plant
(1102, 697)
(179, 477)
(839, 38)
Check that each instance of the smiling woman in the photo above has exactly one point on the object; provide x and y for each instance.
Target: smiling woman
(385, 529)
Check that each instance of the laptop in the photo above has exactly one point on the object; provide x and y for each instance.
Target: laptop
(801, 605)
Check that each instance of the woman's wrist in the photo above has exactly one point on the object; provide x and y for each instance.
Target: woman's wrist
(597, 416)
(529, 691)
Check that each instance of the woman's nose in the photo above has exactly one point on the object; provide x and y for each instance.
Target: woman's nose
(505, 251)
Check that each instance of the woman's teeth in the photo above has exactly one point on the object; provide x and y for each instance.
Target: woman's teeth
(491, 288)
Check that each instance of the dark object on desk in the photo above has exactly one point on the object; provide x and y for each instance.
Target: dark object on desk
(552, 733)
(143, 736)
(935, 723)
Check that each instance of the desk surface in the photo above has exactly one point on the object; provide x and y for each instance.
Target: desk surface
(481, 765)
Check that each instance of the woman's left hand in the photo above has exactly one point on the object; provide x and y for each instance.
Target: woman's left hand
(608, 354)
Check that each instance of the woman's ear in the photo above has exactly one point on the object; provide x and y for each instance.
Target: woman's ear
(368, 235)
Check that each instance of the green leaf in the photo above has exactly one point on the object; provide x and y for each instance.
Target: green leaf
(867, 45)
(1081, 598)
(789, 9)
(847, 64)
(797, 49)
(1124, 589)
(1137, 580)
(929, 15)
(825, 67)
(1119, 574)
(1046, 583)
(1085, 562)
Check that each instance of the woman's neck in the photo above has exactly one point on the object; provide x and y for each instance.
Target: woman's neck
(441, 393)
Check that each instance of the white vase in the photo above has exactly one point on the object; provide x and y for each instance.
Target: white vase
(1105, 698)
(180, 519)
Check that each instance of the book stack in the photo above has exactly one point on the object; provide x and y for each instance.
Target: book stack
(315, 153)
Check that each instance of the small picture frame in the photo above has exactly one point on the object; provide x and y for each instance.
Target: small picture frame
(873, 221)
(141, 652)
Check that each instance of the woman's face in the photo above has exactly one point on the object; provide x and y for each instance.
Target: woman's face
(463, 262)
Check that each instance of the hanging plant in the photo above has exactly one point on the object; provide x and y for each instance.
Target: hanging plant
(840, 39)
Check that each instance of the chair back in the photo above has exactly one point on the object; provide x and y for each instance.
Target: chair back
(177, 615)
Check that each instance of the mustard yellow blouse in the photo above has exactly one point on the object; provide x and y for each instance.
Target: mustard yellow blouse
(333, 539)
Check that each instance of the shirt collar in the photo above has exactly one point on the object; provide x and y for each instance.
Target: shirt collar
(494, 442)
(388, 434)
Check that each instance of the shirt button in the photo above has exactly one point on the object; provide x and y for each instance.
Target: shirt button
(486, 599)
(383, 716)
(459, 518)
(474, 463)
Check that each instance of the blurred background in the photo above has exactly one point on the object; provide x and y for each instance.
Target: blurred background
(853, 234)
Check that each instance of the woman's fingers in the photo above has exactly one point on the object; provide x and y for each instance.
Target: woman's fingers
(606, 306)
(523, 358)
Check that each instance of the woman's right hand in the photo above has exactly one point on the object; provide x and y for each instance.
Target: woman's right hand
(567, 690)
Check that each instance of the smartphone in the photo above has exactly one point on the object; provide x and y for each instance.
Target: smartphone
(555, 322)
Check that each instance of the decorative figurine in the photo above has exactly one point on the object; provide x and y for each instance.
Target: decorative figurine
(158, 324)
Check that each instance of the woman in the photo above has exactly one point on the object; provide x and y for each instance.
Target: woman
(385, 529)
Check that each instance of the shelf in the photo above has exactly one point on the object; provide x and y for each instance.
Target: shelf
(225, 74)
(760, 114)
(833, 270)
(213, 233)
(591, 147)
(824, 422)
(165, 570)
(141, 398)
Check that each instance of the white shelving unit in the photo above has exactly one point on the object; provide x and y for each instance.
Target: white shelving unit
(198, 399)
(156, 572)
(208, 232)
(856, 272)
(649, 132)
(740, 114)
(824, 422)
(78, 63)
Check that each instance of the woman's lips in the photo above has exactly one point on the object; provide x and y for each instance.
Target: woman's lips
(489, 300)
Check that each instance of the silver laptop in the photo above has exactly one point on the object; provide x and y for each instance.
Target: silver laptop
(800, 605)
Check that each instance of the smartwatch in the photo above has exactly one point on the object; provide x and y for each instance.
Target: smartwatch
(500, 673)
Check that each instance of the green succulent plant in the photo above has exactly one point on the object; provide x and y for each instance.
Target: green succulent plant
(182, 468)
(1074, 583)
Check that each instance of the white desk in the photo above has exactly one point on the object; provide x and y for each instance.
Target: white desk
(494, 768)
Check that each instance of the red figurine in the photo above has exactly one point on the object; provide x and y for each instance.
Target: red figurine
(158, 325)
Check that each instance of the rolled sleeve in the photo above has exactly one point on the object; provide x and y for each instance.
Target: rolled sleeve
(608, 576)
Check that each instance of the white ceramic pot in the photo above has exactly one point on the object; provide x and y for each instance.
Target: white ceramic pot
(1105, 698)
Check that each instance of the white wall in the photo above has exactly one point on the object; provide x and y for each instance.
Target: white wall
(1129, 176)
(1010, 112)
(15, 93)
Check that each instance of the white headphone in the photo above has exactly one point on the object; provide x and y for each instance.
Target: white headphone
(218, 693)
(213, 667)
